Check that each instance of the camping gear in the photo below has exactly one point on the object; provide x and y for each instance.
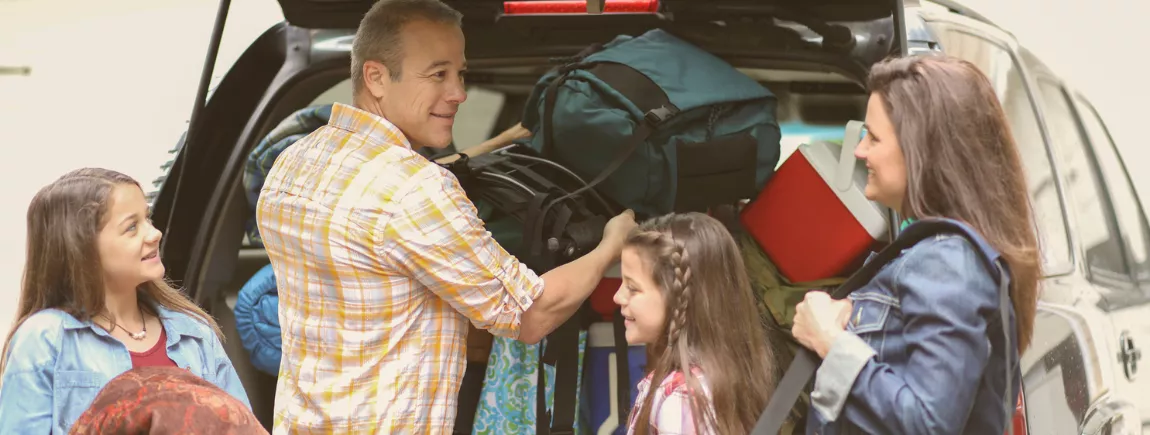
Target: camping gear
(605, 412)
(260, 160)
(777, 296)
(510, 398)
(537, 211)
(813, 219)
(164, 401)
(610, 392)
(797, 377)
(656, 124)
(258, 322)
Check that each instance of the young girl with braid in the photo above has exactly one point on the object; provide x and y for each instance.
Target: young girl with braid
(686, 296)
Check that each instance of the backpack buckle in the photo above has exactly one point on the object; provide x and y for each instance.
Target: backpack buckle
(661, 114)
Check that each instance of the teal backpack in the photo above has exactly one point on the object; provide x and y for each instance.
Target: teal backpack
(657, 124)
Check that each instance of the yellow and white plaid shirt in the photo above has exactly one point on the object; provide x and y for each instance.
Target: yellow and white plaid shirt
(380, 261)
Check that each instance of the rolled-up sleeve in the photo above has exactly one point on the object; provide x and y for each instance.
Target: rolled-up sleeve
(845, 359)
(438, 238)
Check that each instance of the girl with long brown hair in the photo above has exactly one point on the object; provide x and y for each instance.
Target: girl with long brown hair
(920, 349)
(94, 304)
(686, 295)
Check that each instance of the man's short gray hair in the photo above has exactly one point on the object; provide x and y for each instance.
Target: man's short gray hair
(379, 35)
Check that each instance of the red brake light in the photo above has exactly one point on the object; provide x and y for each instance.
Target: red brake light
(1019, 420)
(526, 7)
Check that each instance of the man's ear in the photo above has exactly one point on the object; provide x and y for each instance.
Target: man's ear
(376, 78)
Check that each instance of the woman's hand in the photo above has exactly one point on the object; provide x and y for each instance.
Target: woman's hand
(819, 320)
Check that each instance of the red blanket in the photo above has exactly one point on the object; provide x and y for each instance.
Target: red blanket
(165, 400)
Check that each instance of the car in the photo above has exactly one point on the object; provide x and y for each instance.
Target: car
(1082, 373)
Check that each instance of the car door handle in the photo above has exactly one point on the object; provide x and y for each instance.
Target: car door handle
(15, 70)
(1128, 355)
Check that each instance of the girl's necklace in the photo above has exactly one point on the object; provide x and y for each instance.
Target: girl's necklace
(134, 335)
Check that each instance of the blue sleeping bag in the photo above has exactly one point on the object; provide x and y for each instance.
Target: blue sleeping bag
(258, 322)
(257, 309)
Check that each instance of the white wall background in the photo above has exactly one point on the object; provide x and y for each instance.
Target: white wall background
(112, 83)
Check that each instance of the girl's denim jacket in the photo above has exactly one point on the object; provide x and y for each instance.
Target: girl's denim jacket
(57, 364)
(923, 352)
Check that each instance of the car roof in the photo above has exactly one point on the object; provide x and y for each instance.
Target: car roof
(332, 14)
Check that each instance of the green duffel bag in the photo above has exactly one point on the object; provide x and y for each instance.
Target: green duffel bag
(656, 124)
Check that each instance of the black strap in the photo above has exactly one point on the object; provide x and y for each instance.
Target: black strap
(540, 180)
(562, 348)
(622, 367)
(803, 367)
(633, 84)
(542, 414)
(533, 230)
(643, 92)
(565, 342)
(657, 108)
(549, 114)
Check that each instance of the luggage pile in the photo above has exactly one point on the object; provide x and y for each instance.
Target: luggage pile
(657, 125)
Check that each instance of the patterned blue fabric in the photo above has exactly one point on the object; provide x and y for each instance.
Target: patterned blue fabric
(301, 123)
(507, 401)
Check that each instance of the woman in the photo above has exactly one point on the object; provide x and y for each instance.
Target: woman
(919, 348)
(94, 304)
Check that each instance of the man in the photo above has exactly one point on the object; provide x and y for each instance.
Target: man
(380, 259)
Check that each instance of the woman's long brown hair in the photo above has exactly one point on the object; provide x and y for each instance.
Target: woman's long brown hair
(62, 266)
(962, 162)
(712, 323)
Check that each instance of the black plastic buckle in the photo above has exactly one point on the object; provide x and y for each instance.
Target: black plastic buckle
(461, 167)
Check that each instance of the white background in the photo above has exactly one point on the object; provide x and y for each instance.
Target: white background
(113, 82)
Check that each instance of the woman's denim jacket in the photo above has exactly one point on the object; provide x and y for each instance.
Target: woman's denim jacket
(57, 364)
(923, 352)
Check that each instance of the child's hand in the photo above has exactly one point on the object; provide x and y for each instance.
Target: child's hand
(819, 320)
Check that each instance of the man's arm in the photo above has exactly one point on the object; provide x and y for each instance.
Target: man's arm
(439, 240)
(566, 287)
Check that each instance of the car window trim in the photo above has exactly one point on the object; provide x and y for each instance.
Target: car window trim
(1068, 261)
(1080, 103)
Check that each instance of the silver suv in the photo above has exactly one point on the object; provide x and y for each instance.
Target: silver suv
(1081, 374)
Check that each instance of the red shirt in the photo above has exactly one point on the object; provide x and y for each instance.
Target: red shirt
(157, 356)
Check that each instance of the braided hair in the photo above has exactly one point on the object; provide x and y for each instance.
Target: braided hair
(711, 323)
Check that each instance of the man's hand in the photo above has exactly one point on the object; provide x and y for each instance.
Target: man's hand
(616, 232)
(819, 320)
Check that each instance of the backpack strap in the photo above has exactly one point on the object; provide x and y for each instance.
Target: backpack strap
(562, 351)
(622, 368)
(633, 84)
(657, 107)
(806, 362)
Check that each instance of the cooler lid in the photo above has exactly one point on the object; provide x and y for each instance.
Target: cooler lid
(847, 177)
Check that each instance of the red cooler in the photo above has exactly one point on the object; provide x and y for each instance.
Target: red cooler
(812, 219)
(603, 297)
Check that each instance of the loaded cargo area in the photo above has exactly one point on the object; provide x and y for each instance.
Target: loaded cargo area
(812, 59)
(813, 110)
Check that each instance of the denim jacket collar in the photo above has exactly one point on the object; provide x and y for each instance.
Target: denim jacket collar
(175, 324)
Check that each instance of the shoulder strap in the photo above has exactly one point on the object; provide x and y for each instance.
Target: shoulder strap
(622, 367)
(803, 367)
(633, 84)
(562, 351)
